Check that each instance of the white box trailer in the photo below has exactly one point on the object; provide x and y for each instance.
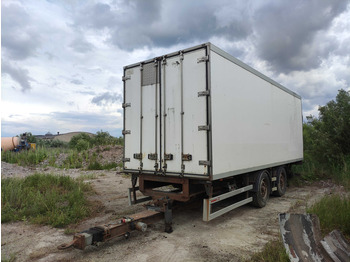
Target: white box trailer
(200, 119)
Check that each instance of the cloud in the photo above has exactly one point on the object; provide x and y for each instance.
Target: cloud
(80, 45)
(73, 52)
(107, 98)
(135, 24)
(289, 34)
(19, 36)
(20, 75)
(76, 82)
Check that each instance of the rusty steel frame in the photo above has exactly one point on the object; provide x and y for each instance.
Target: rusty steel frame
(110, 231)
(146, 180)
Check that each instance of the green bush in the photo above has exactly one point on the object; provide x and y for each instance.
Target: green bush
(47, 143)
(104, 138)
(58, 143)
(327, 142)
(327, 138)
(73, 160)
(31, 138)
(82, 145)
(73, 143)
(44, 199)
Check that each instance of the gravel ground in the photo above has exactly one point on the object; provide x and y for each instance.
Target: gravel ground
(231, 237)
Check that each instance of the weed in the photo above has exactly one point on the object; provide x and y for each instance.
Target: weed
(126, 175)
(95, 165)
(52, 160)
(107, 148)
(69, 231)
(85, 155)
(25, 157)
(73, 160)
(273, 251)
(12, 258)
(310, 170)
(87, 177)
(334, 213)
(110, 166)
(44, 199)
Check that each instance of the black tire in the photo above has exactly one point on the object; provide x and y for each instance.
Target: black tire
(281, 182)
(262, 189)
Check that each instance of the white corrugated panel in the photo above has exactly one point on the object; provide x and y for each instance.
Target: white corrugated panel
(132, 115)
(150, 124)
(255, 123)
(195, 112)
(171, 85)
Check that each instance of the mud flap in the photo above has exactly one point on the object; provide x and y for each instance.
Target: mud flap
(301, 237)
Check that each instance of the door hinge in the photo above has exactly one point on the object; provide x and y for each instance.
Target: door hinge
(164, 60)
(126, 159)
(202, 59)
(204, 93)
(204, 163)
(181, 55)
(168, 156)
(203, 128)
(124, 78)
(152, 156)
(126, 132)
(186, 157)
(138, 156)
(126, 105)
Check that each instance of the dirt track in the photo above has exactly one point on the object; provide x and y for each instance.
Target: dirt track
(231, 237)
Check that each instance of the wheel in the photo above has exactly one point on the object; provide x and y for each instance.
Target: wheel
(263, 189)
(281, 182)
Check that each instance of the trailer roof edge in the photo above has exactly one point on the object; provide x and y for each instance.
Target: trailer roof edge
(226, 55)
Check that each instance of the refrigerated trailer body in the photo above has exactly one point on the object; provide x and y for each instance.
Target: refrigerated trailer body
(200, 120)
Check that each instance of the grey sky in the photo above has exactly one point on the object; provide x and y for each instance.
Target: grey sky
(62, 60)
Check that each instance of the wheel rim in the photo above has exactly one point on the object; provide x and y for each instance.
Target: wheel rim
(263, 188)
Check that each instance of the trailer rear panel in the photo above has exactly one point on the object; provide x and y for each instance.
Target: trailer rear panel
(201, 113)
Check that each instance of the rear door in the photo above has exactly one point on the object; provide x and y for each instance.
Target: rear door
(150, 136)
(185, 127)
(165, 115)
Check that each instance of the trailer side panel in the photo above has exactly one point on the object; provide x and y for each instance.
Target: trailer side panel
(255, 123)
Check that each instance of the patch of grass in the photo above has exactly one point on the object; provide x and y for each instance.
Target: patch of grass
(310, 170)
(44, 199)
(273, 251)
(95, 165)
(126, 175)
(25, 157)
(12, 258)
(69, 231)
(87, 177)
(110, 166)
(52, 160)
(73, 160)
(334, 213)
